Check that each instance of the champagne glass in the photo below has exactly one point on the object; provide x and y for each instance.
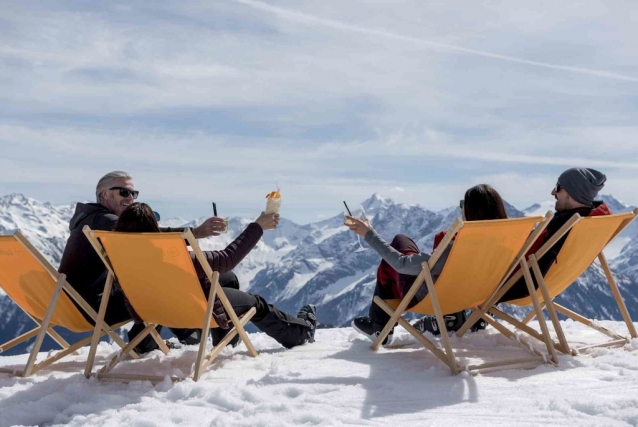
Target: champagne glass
(346, 221)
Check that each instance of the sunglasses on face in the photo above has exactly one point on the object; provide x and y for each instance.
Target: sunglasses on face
(125, 192)
(461, 204)
(557, 188)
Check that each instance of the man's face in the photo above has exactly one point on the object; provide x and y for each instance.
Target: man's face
(562, 198)
(112, 198)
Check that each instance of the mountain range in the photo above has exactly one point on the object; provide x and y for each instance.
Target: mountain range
(323, 263)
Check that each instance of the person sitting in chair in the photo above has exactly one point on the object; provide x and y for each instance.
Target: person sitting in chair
(402, 259)
(288, 330)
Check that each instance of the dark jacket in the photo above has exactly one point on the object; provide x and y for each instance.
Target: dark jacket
(519, 289)
(84, 269)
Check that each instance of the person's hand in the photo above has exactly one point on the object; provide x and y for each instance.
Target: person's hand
(268, 222)
(358, 226)
(211, 227)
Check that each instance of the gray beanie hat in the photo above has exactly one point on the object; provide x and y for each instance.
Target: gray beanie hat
(582, 184)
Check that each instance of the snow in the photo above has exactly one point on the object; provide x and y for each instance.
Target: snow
(337, 380)
(614, 248)
(344, 285)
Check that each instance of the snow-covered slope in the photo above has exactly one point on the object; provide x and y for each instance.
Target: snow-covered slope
(321, 263)
(46, 226)
(337, 380)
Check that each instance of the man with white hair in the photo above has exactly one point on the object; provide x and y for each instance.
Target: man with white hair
(83, 267)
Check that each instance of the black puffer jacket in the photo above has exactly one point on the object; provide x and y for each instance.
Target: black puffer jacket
(83, 267)
(519, 289)
(87, 274)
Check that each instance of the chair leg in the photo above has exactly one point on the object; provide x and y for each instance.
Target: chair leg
(532, 315)
(403, 305)
(44, 326)
(549, 306)
(418, 335)
(160, 342)
(523, 327)
(588, 322)
(206, 328)
(441, 322)
(616, 292)
(130, 346)
(17, 340)
(235, 321)
(98, 325)
(538, 310)
(224, 342)
(62, 353)
(474, 316)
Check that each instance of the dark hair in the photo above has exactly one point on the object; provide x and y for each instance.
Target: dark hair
(483, 202)
(137, 218)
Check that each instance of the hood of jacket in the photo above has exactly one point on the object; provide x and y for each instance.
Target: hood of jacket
(83, 211)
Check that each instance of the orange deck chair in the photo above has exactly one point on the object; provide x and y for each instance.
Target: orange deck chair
(157, 275)
(586, 241)
(37, 288)
(484, 254)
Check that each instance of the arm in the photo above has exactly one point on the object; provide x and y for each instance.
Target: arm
(226, 259)
(404, 264)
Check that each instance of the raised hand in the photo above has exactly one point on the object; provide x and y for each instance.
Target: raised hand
(268, 221)
(211, 227)
(357, 225)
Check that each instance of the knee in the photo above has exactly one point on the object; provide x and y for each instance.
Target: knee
(229, 280)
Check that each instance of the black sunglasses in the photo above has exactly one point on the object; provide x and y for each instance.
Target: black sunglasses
(462, 204)
(558, 187)
(125, 192)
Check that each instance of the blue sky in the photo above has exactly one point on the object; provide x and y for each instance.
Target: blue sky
(332, 100)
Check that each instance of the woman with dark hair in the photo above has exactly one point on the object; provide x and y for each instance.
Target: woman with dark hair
(288, 330)
(402, 259)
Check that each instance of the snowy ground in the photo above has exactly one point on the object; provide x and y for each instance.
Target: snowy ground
(337, 381)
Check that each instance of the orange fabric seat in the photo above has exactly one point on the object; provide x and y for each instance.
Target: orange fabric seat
(586, 241)
(151, 268)
(44, 294)
(157, 275)
(484, 253)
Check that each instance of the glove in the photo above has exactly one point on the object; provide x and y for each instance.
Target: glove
(219, 314)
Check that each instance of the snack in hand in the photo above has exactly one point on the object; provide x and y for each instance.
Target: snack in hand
(273, 202)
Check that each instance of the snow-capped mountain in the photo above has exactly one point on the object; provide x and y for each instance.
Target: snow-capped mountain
(323, 263)
(45, 225)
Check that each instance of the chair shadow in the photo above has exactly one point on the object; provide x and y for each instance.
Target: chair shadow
(399, 381)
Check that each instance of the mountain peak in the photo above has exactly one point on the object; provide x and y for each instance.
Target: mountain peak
(375, 202)
(614, 204)
(14, 199)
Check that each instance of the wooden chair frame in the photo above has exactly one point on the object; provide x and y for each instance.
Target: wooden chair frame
(203, 360)
(45, 327)
(561, 344)
(447, 353)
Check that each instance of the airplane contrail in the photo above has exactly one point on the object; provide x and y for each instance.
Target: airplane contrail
(309, 19)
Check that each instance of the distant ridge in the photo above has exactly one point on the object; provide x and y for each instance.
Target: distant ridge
(319, 263)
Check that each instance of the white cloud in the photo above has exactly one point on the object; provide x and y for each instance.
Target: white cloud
(309, 19)
(333, 100)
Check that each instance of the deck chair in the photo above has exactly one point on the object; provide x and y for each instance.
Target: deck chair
(484, 254)
(158, 277)
(45, 296)
(586, 241)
